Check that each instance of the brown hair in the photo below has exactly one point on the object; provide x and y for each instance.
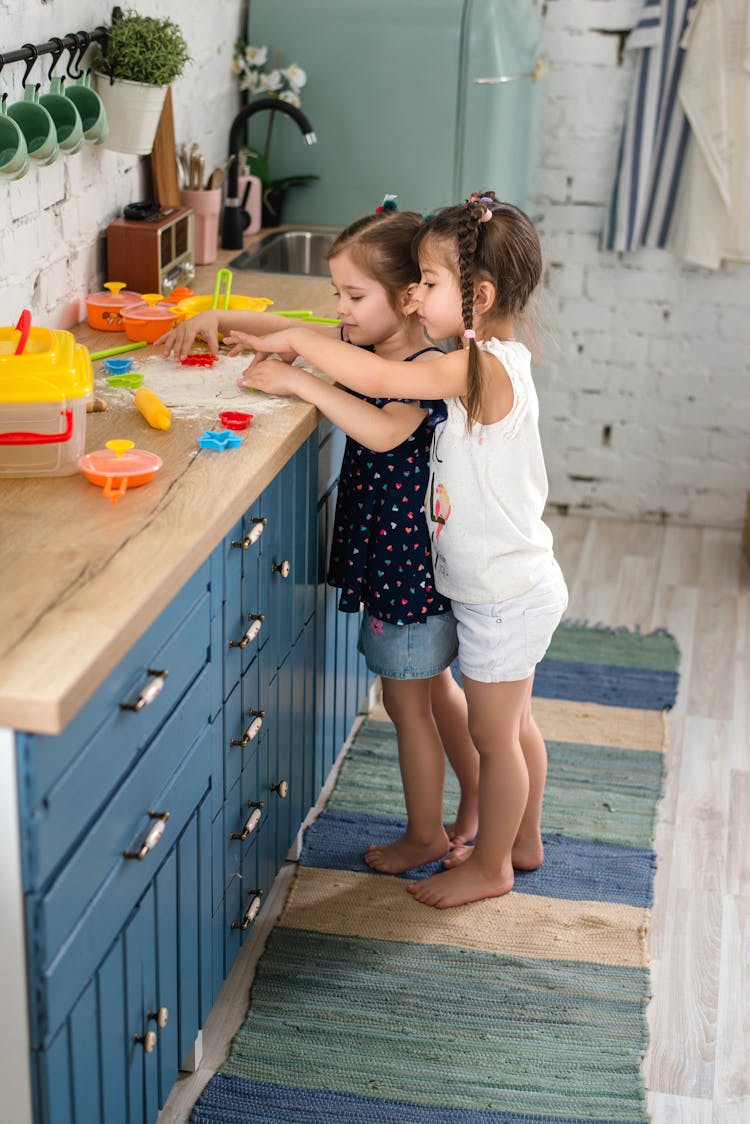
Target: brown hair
(503, 249)
(380, 244)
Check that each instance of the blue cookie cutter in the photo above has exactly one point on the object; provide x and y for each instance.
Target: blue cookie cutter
(219, 439)
(118, 366)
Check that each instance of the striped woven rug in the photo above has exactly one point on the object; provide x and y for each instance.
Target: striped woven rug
(525, 1009)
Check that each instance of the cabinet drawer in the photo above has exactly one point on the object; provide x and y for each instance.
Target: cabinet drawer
(68, 777)
(244, 627)
(71, 924)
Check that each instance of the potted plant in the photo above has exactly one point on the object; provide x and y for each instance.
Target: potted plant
(250, 64)
(134, 68)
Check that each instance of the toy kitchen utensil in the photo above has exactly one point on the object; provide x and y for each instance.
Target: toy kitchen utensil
(119, 466)
(150, 319)
(46, 384)
(104, 309)
(153, 409)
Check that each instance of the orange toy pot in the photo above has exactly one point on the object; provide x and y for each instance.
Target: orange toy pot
(147, 321)
(104, 309)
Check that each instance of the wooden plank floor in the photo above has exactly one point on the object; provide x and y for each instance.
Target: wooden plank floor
(694, 582)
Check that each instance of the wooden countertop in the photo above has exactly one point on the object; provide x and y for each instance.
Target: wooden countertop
(83, 578)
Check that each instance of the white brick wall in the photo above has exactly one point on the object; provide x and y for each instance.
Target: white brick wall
(645, 385)
(645, 374)
(53, 221)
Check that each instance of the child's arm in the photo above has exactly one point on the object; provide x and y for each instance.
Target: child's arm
(375, 428)
(444, 377)
(179, 341)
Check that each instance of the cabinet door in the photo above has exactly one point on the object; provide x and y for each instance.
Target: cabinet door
(243, 614)
(117, 1053)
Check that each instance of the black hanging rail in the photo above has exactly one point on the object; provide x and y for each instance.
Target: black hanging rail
(77, 41)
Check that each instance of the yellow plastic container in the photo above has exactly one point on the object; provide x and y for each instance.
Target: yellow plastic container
(191, 306)
(44, 393)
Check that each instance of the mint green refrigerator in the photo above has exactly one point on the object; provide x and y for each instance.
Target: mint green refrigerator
(428, 100)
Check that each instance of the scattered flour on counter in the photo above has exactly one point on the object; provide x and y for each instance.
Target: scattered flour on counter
(203, 388)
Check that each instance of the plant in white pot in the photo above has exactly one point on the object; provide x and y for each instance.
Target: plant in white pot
(134, 67)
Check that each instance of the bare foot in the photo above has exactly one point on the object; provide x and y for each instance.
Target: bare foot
(465, 826)
(402, 854)
(467, 883)
(460, 852)
(527, 854)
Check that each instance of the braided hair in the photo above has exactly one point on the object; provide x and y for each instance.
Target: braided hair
(493, 241)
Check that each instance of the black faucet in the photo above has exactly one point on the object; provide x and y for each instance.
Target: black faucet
(234, 219)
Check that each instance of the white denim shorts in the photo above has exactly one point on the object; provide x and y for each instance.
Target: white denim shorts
(503, 642)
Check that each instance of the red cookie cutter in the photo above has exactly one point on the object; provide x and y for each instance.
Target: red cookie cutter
(199, 359)
(235, 419)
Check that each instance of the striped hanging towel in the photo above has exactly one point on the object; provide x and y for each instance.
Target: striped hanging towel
(655, 134)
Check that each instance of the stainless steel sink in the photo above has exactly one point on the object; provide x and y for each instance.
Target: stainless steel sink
(301, 252)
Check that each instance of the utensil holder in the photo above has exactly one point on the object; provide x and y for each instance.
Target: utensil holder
(206, 208)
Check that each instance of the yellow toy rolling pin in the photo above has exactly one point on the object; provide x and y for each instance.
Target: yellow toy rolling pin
(153, 409)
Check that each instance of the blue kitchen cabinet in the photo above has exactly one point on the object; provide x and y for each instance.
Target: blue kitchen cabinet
(154, 825)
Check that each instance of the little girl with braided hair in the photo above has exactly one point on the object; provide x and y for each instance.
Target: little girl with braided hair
(479, 261)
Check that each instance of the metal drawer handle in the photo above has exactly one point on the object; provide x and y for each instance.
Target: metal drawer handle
(252, 535)
(251, 912)
(148, 1039)
(149, 692)
(282, 788)
(539, 70)
(257, 623)
(253, 729)
(160, 1017)
(253, 820)
(283, 568)
(152, 837)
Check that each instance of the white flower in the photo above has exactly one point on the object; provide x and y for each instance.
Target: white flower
(256, 56)
(295, 76)
(291, 97)
(237, 67)
(272, 81)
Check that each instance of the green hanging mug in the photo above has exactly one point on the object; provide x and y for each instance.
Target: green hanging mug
(14, 157)
(65, 115)
(91, 109)
(37, 127)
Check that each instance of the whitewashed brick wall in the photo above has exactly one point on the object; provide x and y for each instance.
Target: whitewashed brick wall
(53, 221)
(645, 377)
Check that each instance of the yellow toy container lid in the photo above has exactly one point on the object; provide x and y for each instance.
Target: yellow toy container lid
(191, 306)
(53, 366)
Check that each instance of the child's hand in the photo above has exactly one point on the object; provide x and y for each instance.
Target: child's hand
(179, 341)
(274, 377)
(239, 341)
(275, 343)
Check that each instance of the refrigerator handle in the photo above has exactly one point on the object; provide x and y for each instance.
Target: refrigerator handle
(539, 71)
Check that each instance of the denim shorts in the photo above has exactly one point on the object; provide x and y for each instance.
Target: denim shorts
(408, 651)
(503, 642)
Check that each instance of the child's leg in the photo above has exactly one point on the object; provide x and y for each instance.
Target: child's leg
(495, 715)
(422, 764)
(451, 717)
(528, 849)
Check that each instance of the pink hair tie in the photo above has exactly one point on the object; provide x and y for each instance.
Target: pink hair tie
(470, 334)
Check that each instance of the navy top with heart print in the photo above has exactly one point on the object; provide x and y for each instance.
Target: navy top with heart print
(380, 549)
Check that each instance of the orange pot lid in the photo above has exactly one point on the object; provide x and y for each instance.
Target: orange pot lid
(113, 295)
(120, 459)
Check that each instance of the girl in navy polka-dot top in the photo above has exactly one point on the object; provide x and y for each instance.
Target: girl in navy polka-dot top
(380, 552)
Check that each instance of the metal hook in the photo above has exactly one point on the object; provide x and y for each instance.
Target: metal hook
(85, 41)
(56, 51)
(32, 59)
(72, 51)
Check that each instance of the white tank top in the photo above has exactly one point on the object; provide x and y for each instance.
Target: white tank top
(487, 492)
